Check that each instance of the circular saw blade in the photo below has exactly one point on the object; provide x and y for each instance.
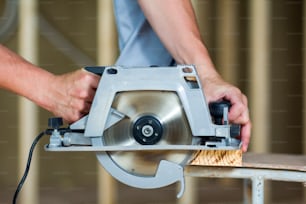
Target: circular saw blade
(162, 105)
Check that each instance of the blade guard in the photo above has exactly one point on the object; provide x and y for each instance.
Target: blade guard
(182, 80)
(167, 173)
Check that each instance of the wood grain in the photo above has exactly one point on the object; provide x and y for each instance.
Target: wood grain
(235, 158)
(218, 158)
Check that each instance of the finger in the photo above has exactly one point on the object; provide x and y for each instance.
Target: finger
(83, 92)
(245, 136)
(89, 85)
(244, 115)
(243, 118)
(91, 79)
(77, 105)
(75, 114)
(74, 117)
(239, 112)
(89, 95)
(83, 107)
(237, 108)
(69, 114)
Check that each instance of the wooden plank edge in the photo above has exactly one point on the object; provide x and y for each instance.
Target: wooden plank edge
(232, 158)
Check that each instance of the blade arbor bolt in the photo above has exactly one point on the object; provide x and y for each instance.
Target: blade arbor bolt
(147, 130)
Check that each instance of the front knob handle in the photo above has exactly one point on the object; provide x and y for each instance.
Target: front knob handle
(217, 109)
(55, 122)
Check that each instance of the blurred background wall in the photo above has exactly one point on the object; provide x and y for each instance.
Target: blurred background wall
(256, 45)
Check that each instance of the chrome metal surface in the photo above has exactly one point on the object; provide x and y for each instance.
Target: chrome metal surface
(163, 105)
(115, 148)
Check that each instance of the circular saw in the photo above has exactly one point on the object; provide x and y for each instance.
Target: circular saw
(146, 123)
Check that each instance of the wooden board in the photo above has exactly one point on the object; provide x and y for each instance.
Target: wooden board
(275, 161)
(235, 158)
(218, 158)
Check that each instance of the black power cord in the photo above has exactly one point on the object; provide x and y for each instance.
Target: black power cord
(54, 123)
(25, 174)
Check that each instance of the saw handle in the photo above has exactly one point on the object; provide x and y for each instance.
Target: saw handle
(217, 112)
(98, 70)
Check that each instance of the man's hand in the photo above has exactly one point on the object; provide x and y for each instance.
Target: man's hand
(73, 94)
(167, 17)
(215, 89)
(68, 96)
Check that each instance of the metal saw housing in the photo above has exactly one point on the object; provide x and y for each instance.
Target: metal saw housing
(114, 126)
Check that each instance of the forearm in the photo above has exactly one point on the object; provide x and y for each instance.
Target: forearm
(23, 78)
(68, 95)
(175, 23)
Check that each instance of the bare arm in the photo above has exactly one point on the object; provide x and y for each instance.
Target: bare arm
(175, 23)
(68, 95)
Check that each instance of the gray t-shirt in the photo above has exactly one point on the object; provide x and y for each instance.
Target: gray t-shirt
(138, 43)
